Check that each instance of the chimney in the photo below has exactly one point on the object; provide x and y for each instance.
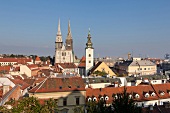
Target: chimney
(5, 89)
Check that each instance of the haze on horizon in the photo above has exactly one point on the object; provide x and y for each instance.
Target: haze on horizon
(117, 27)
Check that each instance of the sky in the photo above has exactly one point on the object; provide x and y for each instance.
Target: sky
(141, 27)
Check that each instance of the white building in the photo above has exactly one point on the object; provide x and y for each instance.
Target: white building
(89, 51)
(64, 52)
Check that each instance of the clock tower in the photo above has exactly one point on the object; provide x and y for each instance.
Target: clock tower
(89, 51)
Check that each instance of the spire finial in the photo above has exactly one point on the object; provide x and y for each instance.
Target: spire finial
(89, 31)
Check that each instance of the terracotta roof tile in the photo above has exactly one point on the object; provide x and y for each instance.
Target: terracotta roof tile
(82, 62)
(67, 65)
(22, 84)
(37, 58)
(60, 85)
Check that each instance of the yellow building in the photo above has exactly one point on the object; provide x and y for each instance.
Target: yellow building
(102, 67)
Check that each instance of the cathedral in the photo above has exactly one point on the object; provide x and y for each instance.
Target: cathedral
(64, 52)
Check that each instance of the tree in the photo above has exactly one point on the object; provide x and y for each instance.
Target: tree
(50, 106)
(27, 105)
(32, 105)
(123, 104)
(78, 109)
(98, 107)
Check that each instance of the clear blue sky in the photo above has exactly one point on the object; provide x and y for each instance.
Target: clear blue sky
(117, 26)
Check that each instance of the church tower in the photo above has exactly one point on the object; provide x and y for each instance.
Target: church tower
(58, 44)
(64, 52)
(89, 51)
(69, 40)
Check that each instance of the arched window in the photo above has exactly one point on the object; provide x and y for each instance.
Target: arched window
(94, 99)
(89, 55)
(89, 99)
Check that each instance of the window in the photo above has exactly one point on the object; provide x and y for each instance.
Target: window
(60, 87)
(140, 68)
(89, 61)
(69, 86)
(144, 68)
(78, 86)
(89, 55)
(148, 68)
(77, 100)
(64, 101)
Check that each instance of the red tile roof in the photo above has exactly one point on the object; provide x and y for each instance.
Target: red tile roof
(17, 60)
(140, 90)
(67, 65)
(59, 85)
(32, 66)
(22, 84)
(37, 59)
(6, 68)
(82, 62)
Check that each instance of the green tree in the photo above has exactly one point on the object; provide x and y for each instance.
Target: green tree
(123, 104)
(98, 107)
(50, 106)
(78, 109)
(27, 105)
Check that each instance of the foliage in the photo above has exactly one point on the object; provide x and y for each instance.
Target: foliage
(30, 105)
(98, 107)
(49, 106)
(100, 73)
(27, 105)
(123, 104)
(78, 109)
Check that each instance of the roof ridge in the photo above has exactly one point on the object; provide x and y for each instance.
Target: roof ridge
(41, 84)
(5, 97)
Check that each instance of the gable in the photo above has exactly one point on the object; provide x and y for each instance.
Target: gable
(101, 66)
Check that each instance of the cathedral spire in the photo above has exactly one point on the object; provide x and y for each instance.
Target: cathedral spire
(59, 30)
(69, 31)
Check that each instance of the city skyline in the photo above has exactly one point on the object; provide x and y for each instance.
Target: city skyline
(117, 27)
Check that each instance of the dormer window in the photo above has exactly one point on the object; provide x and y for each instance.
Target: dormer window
(115, 96)
(89, 99)
(146, 95)
(102, 98)
(94, 99)
(153, 94)
(130, 96)
(168, 91)
(162, 93)
(106, 98)
(137, 96)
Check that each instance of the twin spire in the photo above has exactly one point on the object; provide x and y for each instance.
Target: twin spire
(59, 30)
(69, 30)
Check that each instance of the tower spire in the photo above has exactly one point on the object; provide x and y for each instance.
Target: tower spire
(69, 31)
(59, 30)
